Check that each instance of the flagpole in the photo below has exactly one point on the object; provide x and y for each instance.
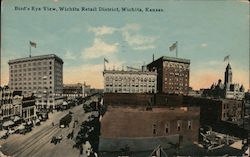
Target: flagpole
(30, 49)
(176, 50)
(104, 64)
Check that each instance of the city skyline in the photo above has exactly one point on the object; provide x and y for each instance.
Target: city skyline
(83, 38)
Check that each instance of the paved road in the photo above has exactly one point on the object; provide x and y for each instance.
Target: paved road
(37, 143)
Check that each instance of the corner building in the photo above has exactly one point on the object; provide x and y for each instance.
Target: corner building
(39, 75)
(172, 74)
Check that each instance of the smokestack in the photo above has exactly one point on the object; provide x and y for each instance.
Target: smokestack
(153, 57)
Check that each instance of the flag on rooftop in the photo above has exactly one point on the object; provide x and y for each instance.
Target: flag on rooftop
(173, 47)
(33, 44)
(226, 58)
(105, 60)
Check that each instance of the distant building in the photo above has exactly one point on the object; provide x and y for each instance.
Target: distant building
(246, 114)
(130, 81)
(172, 74)
(227, 90)
(195, 93)
(223, 115)
(217, 110)
(73, 90)
(86, 90)
(41, 75)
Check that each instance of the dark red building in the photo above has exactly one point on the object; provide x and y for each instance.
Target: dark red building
(172, 74)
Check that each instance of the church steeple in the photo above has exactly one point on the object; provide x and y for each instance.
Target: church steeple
(228, 75)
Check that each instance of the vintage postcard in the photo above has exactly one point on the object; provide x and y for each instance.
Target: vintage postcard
(124, 78)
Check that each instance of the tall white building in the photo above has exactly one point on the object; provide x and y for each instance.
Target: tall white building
(120, 81)
(40, 75)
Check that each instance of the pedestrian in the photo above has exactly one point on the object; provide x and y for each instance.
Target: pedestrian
(81, 149)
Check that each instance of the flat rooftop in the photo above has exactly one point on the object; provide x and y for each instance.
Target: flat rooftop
(33, 58)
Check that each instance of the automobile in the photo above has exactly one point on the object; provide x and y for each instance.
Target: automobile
(53, 140)
(56, 140)
(65, 121)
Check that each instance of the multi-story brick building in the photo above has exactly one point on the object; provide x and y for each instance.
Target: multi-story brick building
(124, 125)
(10, 102)
(173, 74)
(41, 75)
(160, 121)
(28, 109)
(160, 117)
(217, 110)
(129, 81)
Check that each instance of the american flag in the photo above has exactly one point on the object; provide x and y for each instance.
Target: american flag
(226, 58)
(33, 44)
(173, 47)
(105, 60)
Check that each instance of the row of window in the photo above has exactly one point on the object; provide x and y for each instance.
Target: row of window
(32, 69)
(29, 79)
(129, 90)
(29, 64)
(30, 87)
(34, 73)
(227, 105)
(130, 79)
(129, 84)
(178, 128)
(175, 86)
(28, 83)
(176, 65)
(45, 101)
(6, 101)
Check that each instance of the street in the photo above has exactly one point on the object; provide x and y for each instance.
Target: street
(38, 141)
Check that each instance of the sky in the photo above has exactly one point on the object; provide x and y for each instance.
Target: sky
(206, 31)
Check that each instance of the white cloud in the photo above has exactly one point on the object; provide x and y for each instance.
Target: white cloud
(136, 41)
(99, 49)
(132, 26)
(144, 47)
(69, 55)
(244, 1)
(130, 35)
(100, 31)
(203, 45)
